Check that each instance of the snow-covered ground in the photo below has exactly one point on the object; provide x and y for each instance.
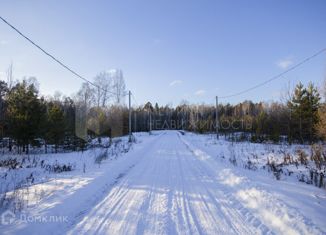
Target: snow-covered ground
(169, 183)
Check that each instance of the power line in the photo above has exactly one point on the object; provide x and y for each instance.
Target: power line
(221, 97)
(54, 58)
(276, 76)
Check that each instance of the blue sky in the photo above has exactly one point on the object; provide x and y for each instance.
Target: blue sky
(168, 50)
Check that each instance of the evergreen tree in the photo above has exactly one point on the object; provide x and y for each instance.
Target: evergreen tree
(296, 110)
(56, 125)
(304, 112)
(24, 109)
(311, 106)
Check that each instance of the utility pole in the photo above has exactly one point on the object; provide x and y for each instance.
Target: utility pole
(135, 122)
(150, 121)
(129, 116)
(216, 121)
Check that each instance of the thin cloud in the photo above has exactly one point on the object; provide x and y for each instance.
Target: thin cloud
(175, 82)
(285, 63)
(200, 92)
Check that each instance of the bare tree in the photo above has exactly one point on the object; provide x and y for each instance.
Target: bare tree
(103, 81)
(84, 100)
(118, 86)
(85, 96)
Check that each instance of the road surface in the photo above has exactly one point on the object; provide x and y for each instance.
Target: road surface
(169, 186)
(174, 190)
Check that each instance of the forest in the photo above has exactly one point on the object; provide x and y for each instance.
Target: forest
(69, 123)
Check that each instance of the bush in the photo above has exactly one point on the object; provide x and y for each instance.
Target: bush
(302, 156)
(57, 168)
(317, 155)
(102, 156)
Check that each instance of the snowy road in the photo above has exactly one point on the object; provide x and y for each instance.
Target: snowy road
(176, 190)
(173, 187)
(170, 191)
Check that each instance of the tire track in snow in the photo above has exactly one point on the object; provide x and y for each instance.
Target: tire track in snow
(255, 202)
(234, 219)
(232, 222)
(122, 195)
(188, 212)
(148, 210)
(102, 214)
(177, 191)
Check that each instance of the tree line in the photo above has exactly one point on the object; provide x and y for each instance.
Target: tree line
(65, 123)
(301, 118)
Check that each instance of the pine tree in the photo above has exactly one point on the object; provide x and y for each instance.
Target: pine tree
(295, 106)
(56, 125)
(304, 112)
(23, 113)
(311, 106)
